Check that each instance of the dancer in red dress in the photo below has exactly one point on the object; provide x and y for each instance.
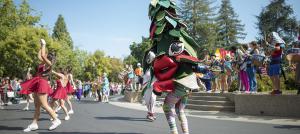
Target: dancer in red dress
(60, 94)
(26, 92)
(70, 90)
(39, 86)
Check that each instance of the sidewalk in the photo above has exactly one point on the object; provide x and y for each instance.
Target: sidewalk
(216, 115)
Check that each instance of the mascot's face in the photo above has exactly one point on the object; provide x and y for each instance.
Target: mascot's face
(176, 48)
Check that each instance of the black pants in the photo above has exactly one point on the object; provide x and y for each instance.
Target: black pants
(85, 93)
(99, 95)
(4, 98)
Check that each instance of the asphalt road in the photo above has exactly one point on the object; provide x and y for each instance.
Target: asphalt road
(101, 118)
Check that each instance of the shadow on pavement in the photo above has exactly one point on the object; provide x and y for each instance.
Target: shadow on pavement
(41, 119)
(288, 127)
(88, 102)
(85, 133)
(121, 118)
(12, 109)
(10, 128)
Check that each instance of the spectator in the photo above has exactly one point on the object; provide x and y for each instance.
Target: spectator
(6, 87)
(79, 89)
(105, 88)
(99, 88)
(139, 73)
(130, 82)
(251, 70)
(215, 65)
(240, 65)
(86, 89)
(274, 66)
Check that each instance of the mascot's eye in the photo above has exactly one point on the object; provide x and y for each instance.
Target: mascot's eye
(150, 57)
(176, 48)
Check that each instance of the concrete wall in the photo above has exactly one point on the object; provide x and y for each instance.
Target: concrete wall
(230, 96)
(281, 105)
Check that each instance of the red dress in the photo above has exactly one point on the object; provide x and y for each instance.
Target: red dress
(37, 84)
(70, 89)
(60, 92)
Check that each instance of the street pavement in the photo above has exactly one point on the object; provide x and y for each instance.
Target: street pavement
(104, 118)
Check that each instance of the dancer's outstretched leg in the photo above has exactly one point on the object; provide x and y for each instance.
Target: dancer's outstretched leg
(62, 105)
(43, 99)
(71, 111)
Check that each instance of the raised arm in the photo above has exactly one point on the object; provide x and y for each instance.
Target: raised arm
(40, 55)
(28, 73)
(43, 53)
(71, 79)
(58, 74)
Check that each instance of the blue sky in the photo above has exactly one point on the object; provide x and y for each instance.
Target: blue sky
(111, 25)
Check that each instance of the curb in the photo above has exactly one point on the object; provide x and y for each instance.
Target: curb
(216, 115)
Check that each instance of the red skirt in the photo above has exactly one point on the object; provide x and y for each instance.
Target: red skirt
(36, 85)
(59, 93)
(24, 91)
(70, 89)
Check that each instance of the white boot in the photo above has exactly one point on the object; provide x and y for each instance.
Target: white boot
(55, 124)
(57, 109)
(26, 108)
(71, 112)
(67, 118)
(31, 127)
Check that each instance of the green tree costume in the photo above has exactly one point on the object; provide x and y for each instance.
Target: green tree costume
(171, 44)
(171, 59)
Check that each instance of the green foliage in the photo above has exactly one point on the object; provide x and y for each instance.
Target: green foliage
(234, 86)
(11, 17)
(278, 17)
(229, 28)
(61, 33)
(78, 66)
(25, 17)
(115, 69)
(265, 84)
(19, 38)
(98, 63)
(138, 50)
(19, 50)
(130, 60)
(20, 43)
(200, 18)
(8, 17)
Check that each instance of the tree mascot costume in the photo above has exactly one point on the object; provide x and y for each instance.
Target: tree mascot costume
(171, 60)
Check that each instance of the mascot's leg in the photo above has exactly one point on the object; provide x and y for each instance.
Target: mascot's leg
(179, 108)
(169, 109)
